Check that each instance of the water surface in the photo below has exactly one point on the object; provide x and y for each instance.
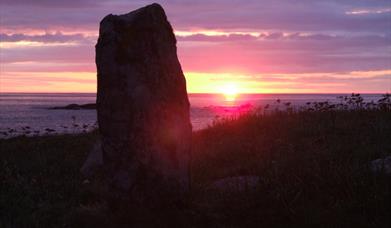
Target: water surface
(28, 112)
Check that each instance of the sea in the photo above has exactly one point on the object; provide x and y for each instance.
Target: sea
(30, 114)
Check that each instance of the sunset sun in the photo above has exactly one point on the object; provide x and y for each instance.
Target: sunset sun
(230, 91)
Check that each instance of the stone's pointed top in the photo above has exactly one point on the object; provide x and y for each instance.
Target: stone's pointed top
(155, 5)
(152, 9)
(152, 15)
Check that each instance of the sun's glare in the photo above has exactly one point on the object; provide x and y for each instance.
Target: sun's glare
(230, 91)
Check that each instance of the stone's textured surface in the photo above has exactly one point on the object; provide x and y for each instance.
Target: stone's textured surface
(236, 184)
(142, 104)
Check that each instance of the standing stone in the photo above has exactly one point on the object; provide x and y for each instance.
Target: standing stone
(143, 108)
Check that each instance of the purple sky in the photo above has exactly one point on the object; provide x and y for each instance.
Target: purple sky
(263, 46)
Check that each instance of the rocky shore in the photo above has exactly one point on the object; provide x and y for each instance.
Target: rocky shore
(76, 107)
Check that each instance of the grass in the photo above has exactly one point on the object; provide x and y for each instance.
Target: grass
(313, 168)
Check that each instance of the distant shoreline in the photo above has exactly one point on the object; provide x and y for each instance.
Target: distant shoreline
(88, 106)
(35, 114)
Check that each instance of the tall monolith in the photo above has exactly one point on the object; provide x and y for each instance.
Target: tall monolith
(143, 108)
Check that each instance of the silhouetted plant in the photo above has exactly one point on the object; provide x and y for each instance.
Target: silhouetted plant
(49, 130)
(384, 103)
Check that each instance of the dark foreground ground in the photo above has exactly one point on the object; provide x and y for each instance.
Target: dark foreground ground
(313, 170)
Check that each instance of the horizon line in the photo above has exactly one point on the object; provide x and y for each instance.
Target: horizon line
(309, 93)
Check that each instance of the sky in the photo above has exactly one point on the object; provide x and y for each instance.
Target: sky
(258, 46)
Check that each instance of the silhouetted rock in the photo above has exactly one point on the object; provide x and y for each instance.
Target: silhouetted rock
(94, 161)
(143, 108)
(76, 106)
(238, 184)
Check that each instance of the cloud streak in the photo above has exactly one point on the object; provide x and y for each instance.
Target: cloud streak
(57, 37)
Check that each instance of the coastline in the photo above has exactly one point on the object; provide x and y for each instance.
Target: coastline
(65, 116)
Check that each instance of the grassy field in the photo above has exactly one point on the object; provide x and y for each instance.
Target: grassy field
(313, 169)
